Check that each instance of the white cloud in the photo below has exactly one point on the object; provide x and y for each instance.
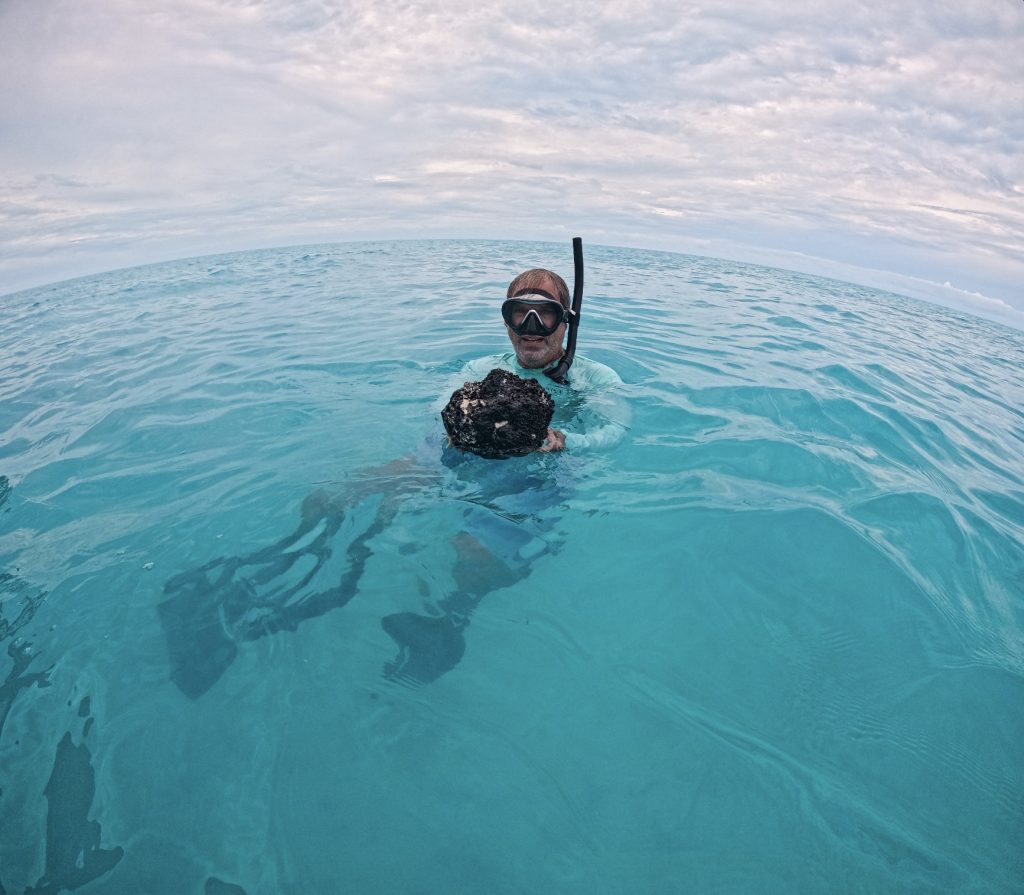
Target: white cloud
(876, 136)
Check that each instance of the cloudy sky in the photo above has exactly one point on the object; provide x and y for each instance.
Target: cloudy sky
(879, 142)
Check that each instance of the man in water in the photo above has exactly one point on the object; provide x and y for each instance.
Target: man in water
(598, 424)
(504, 512)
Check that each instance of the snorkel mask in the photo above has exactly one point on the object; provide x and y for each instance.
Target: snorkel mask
(533, 312)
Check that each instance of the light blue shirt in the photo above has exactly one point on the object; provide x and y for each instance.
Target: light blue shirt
(588, 408)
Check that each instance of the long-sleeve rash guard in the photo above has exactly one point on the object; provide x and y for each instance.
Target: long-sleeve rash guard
(589, 408)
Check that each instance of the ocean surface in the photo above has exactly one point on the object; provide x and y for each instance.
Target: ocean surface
(259, 637)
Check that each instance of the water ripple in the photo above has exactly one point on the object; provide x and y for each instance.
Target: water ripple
(788, 610)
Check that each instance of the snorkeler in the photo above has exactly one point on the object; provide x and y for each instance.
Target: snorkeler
(538, 313)
(506, 510)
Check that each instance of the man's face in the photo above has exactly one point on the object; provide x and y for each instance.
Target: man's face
(535, 352)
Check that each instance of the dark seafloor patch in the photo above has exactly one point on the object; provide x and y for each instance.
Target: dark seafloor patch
(73, 853)
(216, 886)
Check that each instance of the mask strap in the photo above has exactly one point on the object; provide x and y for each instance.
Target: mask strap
(543, 292)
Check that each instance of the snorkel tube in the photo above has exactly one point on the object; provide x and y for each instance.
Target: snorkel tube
(559, 371)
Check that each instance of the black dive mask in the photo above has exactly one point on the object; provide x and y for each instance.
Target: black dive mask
(534, 312)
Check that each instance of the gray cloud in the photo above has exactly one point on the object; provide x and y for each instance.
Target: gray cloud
(877, 137)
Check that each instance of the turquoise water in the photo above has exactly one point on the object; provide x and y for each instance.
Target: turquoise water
(774, 641)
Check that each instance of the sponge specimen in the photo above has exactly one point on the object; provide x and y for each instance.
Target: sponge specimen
(500, 416)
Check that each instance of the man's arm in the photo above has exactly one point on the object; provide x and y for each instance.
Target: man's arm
(605, 416)
(555, 441)
(606, 419)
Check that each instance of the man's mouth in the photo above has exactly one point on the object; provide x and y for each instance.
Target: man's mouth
(533, 340)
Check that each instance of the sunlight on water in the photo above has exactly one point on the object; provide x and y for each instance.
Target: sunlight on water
(258, 637)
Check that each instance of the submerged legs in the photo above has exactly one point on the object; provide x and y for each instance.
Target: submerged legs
(207, 611)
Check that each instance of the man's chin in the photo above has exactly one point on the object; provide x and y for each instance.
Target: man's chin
(533, 355)
(531, 361)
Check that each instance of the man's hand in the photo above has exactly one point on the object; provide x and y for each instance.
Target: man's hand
(554, 442)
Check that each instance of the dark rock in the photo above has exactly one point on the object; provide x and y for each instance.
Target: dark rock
(501, 416)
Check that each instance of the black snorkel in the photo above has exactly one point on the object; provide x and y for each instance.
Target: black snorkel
(559, 371)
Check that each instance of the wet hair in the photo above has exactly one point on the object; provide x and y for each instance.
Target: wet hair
(538, 279)
(498, 417)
